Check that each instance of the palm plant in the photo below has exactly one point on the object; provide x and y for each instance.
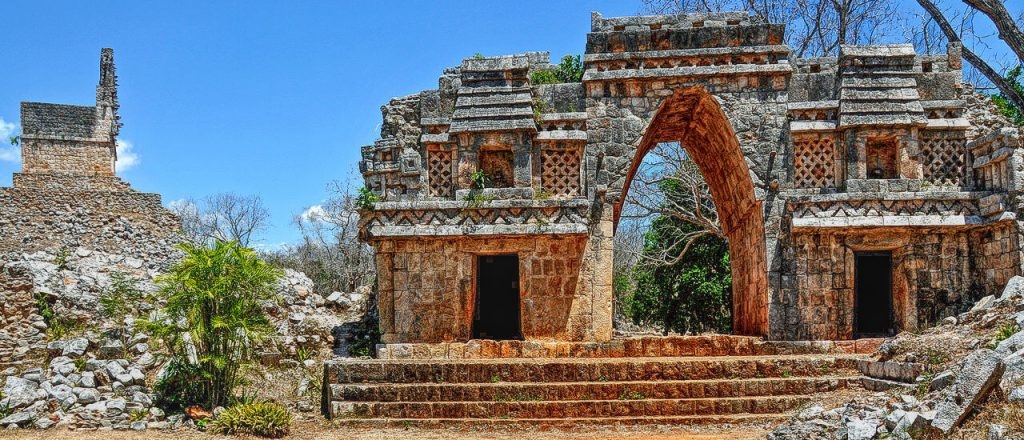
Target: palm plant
(213, 314)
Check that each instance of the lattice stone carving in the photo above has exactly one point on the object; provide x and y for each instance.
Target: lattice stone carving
(944, 158)
(440, 173)
(560, 171)
(814, 162)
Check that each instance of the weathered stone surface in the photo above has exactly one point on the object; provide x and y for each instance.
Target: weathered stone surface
(813, 161)
(979, 372)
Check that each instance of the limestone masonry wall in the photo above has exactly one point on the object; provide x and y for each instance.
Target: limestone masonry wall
(428, 288)
(20, 331)
(808, 161)
(112, 221)
(71, 157)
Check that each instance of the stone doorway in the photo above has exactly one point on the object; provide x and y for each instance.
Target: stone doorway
(873, 300)
(497, 313)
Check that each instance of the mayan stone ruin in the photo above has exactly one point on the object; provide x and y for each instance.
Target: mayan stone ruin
(67, 194)
(862, 195)
(67, 203)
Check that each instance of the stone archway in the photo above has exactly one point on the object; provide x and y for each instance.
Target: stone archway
(694, 118)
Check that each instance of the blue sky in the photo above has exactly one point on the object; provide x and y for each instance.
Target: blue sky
(267, 98)
(260, 97)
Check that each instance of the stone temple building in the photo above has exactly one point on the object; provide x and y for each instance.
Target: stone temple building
(862, 195)
(67, 194)
(67, 203)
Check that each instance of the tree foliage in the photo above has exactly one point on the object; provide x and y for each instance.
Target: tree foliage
(683, 279)
(330, 252)
(213, 315)
(1013, 77)
(569, 70)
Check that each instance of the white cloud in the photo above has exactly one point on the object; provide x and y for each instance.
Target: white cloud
(126, 158)
(314, 213)
(8, 152)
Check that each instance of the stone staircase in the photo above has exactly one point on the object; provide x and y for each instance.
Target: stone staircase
(733, 380)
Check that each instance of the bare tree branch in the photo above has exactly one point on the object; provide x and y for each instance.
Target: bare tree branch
(1009, 32)
(1004, 87)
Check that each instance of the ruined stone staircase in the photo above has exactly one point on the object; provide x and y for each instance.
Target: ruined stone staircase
(651, 381)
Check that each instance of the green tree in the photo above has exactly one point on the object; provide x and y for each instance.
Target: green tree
(682, 278)
(569, 70)
(213, 315)
(693, 294)
(1013, 78)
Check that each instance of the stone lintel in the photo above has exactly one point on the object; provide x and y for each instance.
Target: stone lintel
(688, 72)
(483, 230)
(687, 53)
(887, 220)
(811, 126)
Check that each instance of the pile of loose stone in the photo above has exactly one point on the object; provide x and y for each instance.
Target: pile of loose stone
(939, 403)
(102, 378)
(307, 320)
(90, 382)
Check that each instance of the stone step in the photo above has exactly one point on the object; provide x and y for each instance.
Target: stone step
(587, 370)
(636, 405)
(531, 391)
(564, 422)
(647, 346)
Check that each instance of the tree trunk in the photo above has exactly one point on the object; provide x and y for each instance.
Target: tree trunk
(1004, 86)
(1007, 27)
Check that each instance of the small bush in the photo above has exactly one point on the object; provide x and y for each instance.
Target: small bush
(570, 70)
(1003, 334)
(366, 199)
(5, 410)
(180, 386)
(57, 326)
(122, 298)
(543, 77)
(265, 419)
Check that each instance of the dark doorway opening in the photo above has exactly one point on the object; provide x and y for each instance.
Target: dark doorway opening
(497, 298)
(873, 302)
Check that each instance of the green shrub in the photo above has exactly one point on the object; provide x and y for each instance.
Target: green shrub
(543, 77)
(57, 326)
(366, 199)
(265, 419)
(1003, 334)
(568, 71)
(122, 298)
(479, 179)
(179, 387)
(214, 315)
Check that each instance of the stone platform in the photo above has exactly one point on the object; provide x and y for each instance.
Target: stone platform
(672, 381)
(648, 346)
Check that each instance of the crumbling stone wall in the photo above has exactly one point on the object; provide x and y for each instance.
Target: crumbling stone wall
(112, 221)
(427, 286)
(996, 252)
(21, 327)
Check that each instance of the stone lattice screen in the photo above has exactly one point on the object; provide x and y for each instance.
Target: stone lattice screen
(440, 174)
(944, 157)
(560, 171)
(814, 162)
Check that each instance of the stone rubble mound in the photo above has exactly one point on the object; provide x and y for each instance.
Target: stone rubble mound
(89, 382)
(101, 374)
(934, 404)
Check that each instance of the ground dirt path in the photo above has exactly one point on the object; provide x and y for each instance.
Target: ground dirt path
(317, 431)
